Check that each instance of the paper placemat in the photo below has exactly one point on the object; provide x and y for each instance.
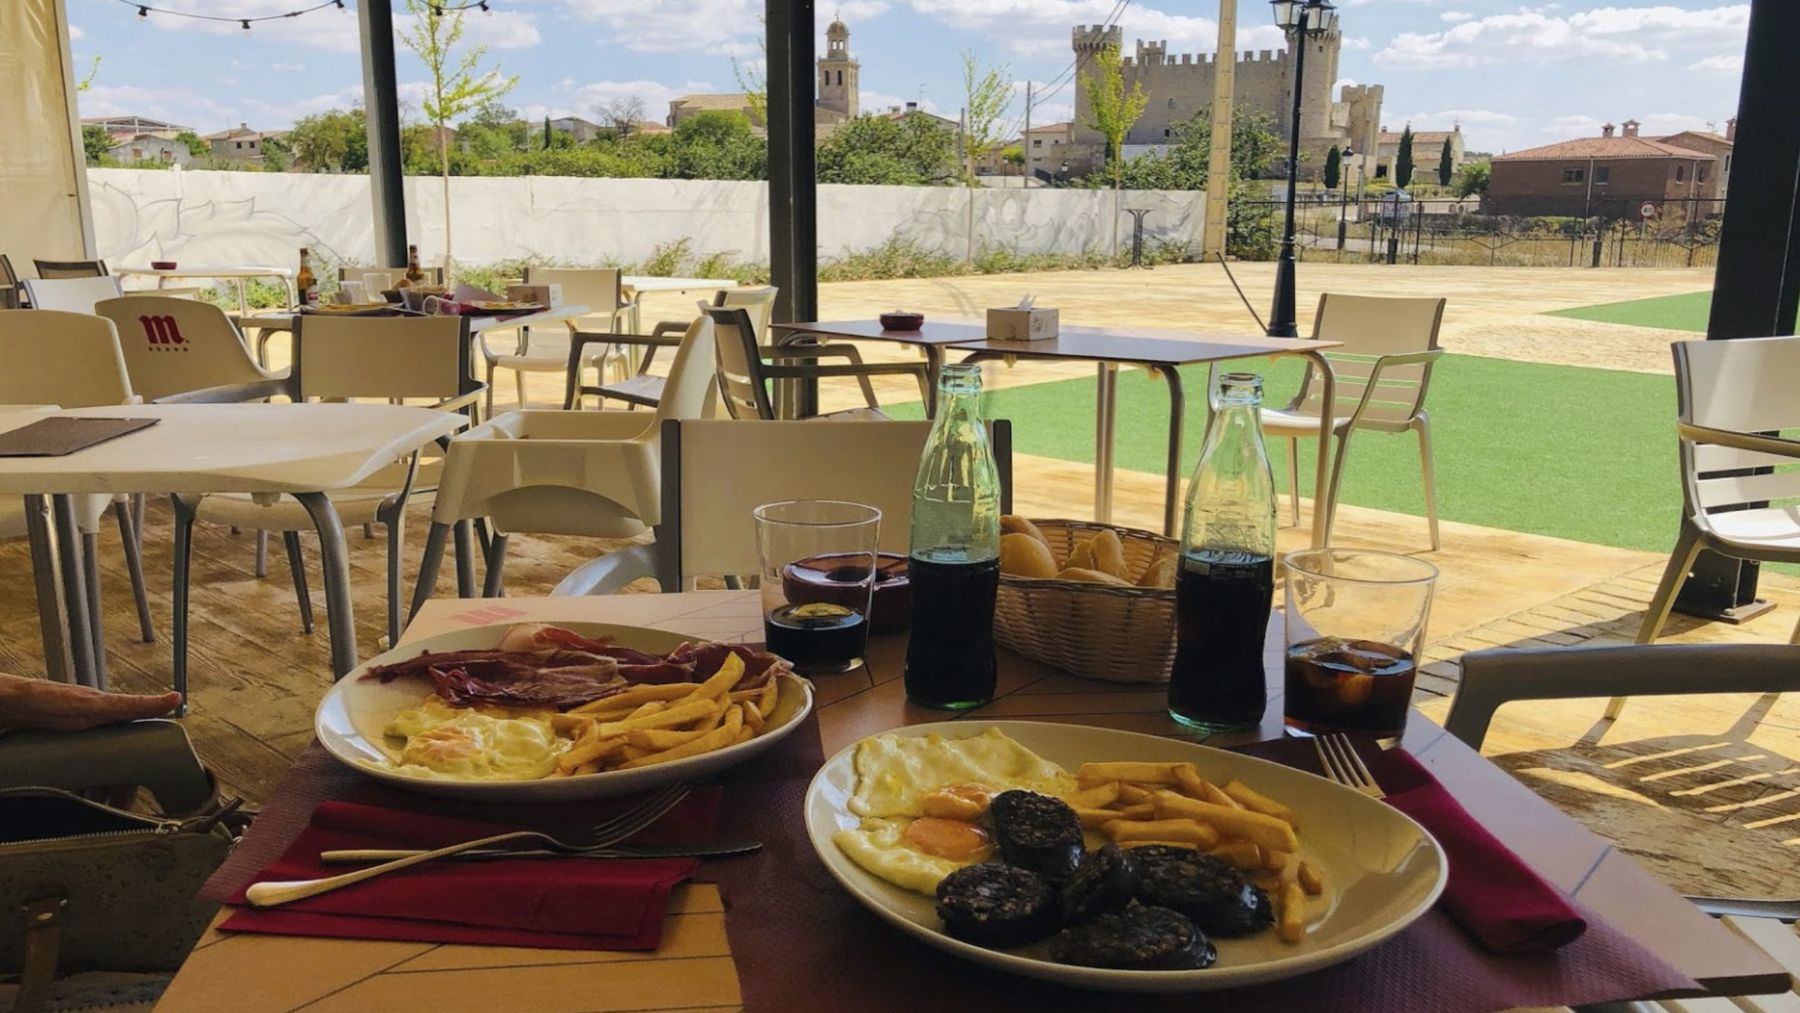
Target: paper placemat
(63, 435)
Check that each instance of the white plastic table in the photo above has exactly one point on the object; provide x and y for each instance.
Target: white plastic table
(237, 275)
(303, 450)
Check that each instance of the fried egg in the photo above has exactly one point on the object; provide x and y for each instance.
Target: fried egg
(469, 745)
(915, 854)
(895, 773)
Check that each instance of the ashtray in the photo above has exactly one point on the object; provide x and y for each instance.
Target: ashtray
(162, 265)
(898, 321)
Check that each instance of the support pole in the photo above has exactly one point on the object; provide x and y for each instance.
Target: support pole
(1218, 180)
(793, 184)
(381, 111)
(1282, 323)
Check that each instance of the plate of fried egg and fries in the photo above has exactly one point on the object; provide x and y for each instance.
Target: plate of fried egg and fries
(531, 712)
(1112, 860)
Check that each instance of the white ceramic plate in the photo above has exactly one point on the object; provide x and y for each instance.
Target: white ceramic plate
(353, 713)
(1381, 869)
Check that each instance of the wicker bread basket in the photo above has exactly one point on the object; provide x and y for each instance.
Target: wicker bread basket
(1101, 631)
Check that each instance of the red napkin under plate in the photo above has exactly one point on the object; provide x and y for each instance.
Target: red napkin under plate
(560, 903)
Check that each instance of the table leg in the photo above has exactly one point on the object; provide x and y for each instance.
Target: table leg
(46, 570)
(334, 559)
(934, 368)
(1105, 416)
(74, 581)
(1172, 485)
(1323, 512)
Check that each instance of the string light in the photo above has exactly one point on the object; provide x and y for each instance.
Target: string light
(439, 10)
(145, 10)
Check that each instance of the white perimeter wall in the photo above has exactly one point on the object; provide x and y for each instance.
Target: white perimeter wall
(215, 218)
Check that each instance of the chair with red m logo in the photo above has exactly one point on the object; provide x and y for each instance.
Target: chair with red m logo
(187, 350)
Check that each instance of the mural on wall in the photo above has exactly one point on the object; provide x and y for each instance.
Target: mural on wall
(239, 218)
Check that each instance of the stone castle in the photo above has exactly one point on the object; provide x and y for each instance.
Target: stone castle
(1180, 86)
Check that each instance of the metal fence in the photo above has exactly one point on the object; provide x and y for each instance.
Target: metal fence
(1614, 233)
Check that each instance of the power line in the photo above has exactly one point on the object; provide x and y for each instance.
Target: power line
(1062, 80)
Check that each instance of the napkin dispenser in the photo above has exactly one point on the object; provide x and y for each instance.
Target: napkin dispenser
(543, 295)
(1015, 323)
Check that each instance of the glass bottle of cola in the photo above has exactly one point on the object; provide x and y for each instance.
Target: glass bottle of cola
(1226, 583)
(954, 564)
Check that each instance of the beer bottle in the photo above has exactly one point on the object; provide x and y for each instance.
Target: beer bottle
(1226, 583)
(306, 286)
(414, 274)
(954, 565)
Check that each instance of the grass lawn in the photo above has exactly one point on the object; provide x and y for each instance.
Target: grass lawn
(1578, 453)
(1670, 312)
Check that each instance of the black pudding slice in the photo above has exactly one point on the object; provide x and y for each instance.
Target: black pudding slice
(997, 906)
(1105, 881)
(1038, 832)
(1208, 890)
(1136, 939)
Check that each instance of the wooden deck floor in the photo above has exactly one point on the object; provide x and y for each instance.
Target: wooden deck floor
(1706, 790)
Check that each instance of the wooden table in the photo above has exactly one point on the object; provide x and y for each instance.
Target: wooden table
(1162, 352)
(694, 970)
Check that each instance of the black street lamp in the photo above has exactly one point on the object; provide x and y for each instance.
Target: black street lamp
(1301, 19)
(1344, 192)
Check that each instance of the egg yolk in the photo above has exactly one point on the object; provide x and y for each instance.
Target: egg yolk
(951, 839)
(958, 802)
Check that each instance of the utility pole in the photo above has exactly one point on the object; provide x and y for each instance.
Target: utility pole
(1025, 138)
(1218, 181)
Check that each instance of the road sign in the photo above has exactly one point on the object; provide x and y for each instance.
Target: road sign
(1648, 210)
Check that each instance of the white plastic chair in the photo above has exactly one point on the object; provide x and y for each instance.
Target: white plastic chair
(1728, 395)
(182, 350)
(645, 389)
(73, 360)
(716, 471)
(547, 350)
(1383, 373)
(597, 474)
(339, 358)
(71, 295)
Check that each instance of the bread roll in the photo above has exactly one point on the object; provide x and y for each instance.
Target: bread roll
(1109, 554)
(1091, 576)
(1082, 556)
(1161, 572)
(1014, 524)
(1024, 556)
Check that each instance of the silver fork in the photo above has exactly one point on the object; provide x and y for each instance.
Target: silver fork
(1342, 765)
(275, 893)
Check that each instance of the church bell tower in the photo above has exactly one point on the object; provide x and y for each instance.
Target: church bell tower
(837, 72)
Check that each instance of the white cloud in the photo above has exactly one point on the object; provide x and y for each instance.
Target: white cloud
(1634, 34)
(287, 68)
(76, 34)
(1039, 27)
(1353, 43)
(730, 27)
(274, 115)
(328, 29)
(171, 104)
(1456, 17)
(1724, 63)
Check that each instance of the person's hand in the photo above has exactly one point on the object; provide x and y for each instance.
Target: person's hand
(61, 707)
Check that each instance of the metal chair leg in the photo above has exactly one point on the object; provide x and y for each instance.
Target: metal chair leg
(262, 553)
(368, 530)
(429, 565)
(490, 389)
(1681, 560)
(181, 565)
(129, 539)
(465, 558)
(519, 379)
(334, 562)
(1337, 480)
(297, 567)
(396, 541)
(1428, 469)
(1294, 480)
(90, 561)
(494, 586)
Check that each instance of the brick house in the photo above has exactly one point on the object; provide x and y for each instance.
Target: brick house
(1613, 175)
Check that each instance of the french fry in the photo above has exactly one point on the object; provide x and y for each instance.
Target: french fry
(1177, 831)
(1311, 879)
(1094, 819)
(1190, 782)
(662, 738)
(668, 717)
(771, 695)
(1210, 792)
(1140, 772)
(652, 707)
(1259, 829)
(1282, 862)
(753, 719)
(631, 698)
(745, 734)
(1141, 811)
(1145, 844)
(590, 767)
(633, 752)
(1242, 854)
(1257, 802)
(1098, 797)
(1131, 794)
(572, 725)
(592, 747)
(726, 677)
(724, 735)
(1290, 922)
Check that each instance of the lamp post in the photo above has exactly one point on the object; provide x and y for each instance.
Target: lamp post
(1301, 19)
(1348, 153)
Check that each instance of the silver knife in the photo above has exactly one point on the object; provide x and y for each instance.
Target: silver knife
(630, 851)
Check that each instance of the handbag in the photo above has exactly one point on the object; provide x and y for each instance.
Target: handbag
(86, 886)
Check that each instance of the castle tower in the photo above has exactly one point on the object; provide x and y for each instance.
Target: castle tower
(838, 90)
(1089, 41)
(1321, 74)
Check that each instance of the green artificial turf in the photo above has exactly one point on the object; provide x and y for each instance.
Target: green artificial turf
(1587, 454)
(1670, 312)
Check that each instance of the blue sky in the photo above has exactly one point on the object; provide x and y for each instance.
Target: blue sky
(1513, 75)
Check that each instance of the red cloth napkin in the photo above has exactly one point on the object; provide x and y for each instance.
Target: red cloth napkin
(1491, 892)
(562, 903)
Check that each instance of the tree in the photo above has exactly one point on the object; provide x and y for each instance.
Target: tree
(95, 143)
(986, 97)
(1472, 181)
(876, 150)
(1446, 164)
(333, 141)
(717, 144)
(1187, 162)
(458, 84)
(1112, 109)
(1334, 168)
(93, 71)
(623, 114)
(1403, 162)
(755, 85)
